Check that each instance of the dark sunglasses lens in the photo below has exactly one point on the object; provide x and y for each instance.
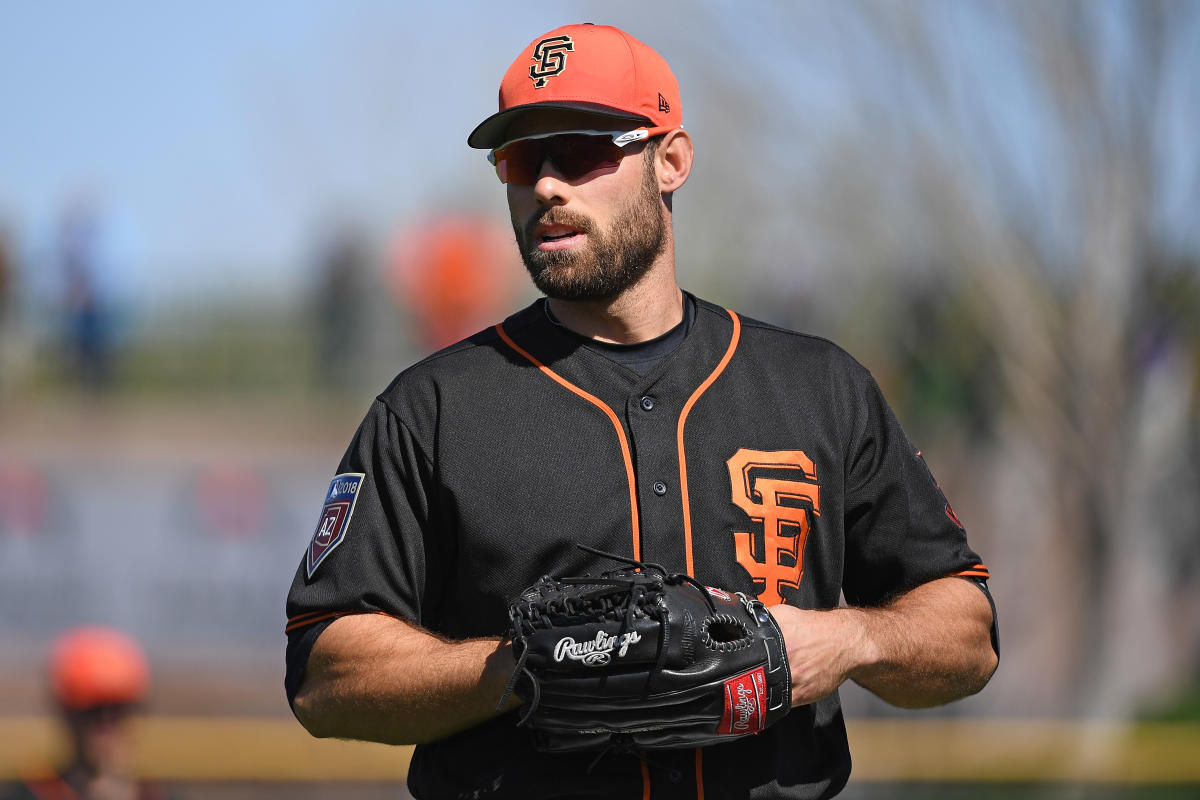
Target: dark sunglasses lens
(102, 715)
(518, 162)
(574, 156)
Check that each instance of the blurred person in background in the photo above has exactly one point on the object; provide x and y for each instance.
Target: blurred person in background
(339, 306)
(8, 270)
(99, 678)
(88, 320)
(453, 275)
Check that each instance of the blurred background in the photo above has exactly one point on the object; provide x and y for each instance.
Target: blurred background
(224, 227)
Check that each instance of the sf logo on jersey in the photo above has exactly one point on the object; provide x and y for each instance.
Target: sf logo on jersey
(778, 490)
(551, 55)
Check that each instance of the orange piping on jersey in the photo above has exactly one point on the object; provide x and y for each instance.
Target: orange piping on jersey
(612, 416)
(687, 408)
(304, 620)
(977, 571)
(699, 774)
(306, 615)
(645, 781)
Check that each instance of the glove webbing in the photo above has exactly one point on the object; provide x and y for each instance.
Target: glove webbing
(606, 580)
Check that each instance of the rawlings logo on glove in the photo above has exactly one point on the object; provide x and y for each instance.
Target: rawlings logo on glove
(745, 697)
(597, 652)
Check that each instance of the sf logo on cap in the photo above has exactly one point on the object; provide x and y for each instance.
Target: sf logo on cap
(551, 55)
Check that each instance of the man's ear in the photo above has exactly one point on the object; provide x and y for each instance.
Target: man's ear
(673, 160)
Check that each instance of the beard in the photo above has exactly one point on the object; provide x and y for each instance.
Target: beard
(611, 261)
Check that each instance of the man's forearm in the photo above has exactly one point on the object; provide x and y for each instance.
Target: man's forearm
(381, 679)
(930, 646)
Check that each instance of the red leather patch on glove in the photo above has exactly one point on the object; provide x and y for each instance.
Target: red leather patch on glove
(745, 703)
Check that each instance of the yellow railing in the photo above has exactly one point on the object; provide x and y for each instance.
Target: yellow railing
(975, 751)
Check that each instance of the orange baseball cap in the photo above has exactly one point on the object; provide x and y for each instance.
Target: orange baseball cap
(97, 666)
(596, 68)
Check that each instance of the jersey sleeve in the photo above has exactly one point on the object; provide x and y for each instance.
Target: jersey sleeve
(900, 529)
(371, 550)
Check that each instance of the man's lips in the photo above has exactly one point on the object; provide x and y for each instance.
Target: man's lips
(556, 237)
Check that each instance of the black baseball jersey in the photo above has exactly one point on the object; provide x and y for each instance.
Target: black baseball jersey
(754, 458)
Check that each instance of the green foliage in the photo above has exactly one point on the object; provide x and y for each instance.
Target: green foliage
(1183, 707)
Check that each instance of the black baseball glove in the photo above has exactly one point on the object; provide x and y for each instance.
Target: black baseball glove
(638, 659)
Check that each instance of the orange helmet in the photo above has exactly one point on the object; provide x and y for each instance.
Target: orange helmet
(97, 666)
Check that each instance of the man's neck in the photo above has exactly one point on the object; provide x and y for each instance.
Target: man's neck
(645, 311)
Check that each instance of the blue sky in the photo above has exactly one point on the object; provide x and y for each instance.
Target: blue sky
(219, 133)
(222, 137)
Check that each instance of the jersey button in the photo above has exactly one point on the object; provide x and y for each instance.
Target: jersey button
(659, 488)
(647, 403)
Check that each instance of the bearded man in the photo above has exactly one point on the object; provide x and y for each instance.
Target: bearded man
(622, 413)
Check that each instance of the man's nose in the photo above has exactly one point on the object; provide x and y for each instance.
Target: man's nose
(549, 186)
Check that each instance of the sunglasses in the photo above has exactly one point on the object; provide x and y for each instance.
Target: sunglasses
(106, 714)
(573, 153)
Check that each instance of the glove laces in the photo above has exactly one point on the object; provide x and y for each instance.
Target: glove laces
(604, 583)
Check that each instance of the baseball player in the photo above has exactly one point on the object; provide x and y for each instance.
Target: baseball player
(624, 414)
(98, 678)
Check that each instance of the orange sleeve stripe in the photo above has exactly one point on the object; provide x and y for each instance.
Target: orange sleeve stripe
(977, 571)
(300, 617)
(626, 454)
(304, 620)
(687, 408)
